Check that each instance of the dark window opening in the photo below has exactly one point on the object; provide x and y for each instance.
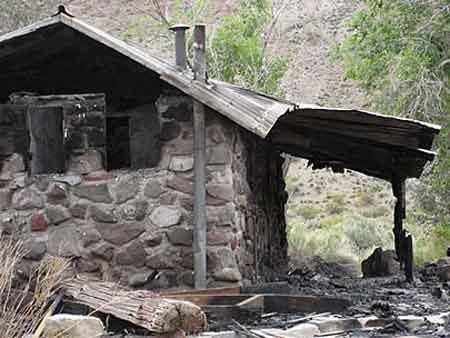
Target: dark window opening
(118, 142)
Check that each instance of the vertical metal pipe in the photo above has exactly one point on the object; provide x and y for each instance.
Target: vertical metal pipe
(180, 45)
(200, 222)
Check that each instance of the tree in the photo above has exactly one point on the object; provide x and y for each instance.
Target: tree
(239, 51)
(237, 48)
(399, 51)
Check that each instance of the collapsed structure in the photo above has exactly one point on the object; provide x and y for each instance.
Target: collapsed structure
(96, 159)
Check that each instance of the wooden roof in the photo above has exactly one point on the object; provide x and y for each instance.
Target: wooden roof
(375, 144)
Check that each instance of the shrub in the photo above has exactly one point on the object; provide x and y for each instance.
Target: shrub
(308, 211)
(336, 204)
(376, 212)
(330, 221)
(21, 310)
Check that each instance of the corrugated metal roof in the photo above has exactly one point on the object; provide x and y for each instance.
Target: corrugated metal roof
(268, 117)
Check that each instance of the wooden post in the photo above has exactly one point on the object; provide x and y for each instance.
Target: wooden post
(199, 240)
(403, 242)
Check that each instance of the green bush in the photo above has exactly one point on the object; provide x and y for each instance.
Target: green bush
(336, 204)
(308, 211)
(376, 212)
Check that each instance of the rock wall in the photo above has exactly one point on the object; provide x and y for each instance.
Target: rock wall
(135, 226)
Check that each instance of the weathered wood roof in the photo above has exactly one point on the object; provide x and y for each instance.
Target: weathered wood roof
(372, 143)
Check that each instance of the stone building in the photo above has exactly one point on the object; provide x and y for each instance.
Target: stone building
(96, 159)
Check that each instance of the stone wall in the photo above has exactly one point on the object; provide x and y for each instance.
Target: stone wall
(135, 226)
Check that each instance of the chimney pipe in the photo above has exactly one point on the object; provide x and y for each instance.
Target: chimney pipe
(180, 45)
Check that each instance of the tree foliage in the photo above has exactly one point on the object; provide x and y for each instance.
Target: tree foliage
(399, 50)
(239, 51)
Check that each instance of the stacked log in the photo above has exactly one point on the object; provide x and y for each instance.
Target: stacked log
(143, 308)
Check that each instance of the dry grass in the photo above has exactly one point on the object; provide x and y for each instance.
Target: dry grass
(21, 309)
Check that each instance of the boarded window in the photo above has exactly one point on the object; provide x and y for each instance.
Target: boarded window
(47, 139)
(78, 128)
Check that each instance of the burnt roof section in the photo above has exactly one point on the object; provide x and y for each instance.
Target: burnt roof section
(375, 144)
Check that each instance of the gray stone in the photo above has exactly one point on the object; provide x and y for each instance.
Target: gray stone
(165, 216)
(153, 189)
(152, 239)
(72, 326)
(89, 236)
(186, 278)
(13, 165)
(228, 275)
(104, 251)
(56, 214)
(57, 195)
(170, 130)
(27, 199)
(85, 163)
(79, 210)
(218, 237)
(181, 184)
(127, 188)
(41, 182)
(221, 215)
(304, 330)
(139, 279)
(219, 154)
(36, 248)
(5, 199)
(180, 236)
(97, 192)
(181, 163)
(380, 263)
(8, 224)
(214, 135)
(119, 233)
(131, 254)
(64, 241)
(71, 180)
(221, 191)
(87, 264)
(221, 258)
(443, 269)
(135, 211)
(102, 214)
(161, 259)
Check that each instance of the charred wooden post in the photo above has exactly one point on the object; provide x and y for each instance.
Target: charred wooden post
(199, 234)
(403, 243)
(409, 261)
(180, 45)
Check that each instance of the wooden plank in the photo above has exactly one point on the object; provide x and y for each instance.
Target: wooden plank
(47, 141)
(253, 303)
(304, 304)
(232, 290)
(199, 233)
(273, 287)
(202, 300)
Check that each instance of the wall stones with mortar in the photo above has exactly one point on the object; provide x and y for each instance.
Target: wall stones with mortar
(133, 225)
